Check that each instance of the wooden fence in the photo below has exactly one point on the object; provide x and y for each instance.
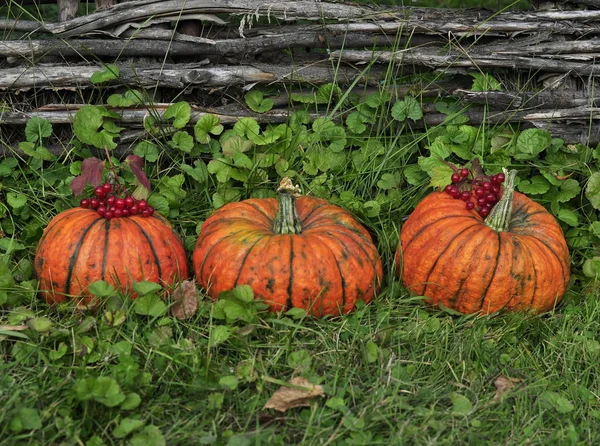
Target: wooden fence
(209, 52)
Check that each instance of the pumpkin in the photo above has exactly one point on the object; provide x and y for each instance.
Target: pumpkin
(515, 259)
(301, 252)
(79, 247)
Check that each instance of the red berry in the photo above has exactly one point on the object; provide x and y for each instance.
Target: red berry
(500, 178)
(479, 192)
(484, 211)
(491, 199)
(145, 213)
(495, 188)
(464, 173)
(129, 201)
(455, 177)
(150, 210)
(133, 210)
(99, 192)
(111, 200)
(142, 204)
(119, 203)
(109, 214)
(107, 187)
(85, 203)
(469, 205)
(101, 211)
(118, 213)
(465, 196)
(486, 185)
(481, 201)
(94, 203)
(125, 212)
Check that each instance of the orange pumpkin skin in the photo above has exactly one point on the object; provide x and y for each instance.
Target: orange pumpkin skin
(448, 254)
(78, 247)
(324, 269)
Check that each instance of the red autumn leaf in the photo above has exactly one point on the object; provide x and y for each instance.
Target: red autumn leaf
(91, 173)
(136, 162)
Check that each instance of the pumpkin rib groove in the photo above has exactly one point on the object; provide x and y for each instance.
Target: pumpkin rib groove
(304, 218)
(433, 266)
(241, 266)
(75, 254)
(535, 276)
(260, 210)
(372, 260)
(105, 249)
(290, 288)
(339, 227)
(494, 271)
(552, 251)
(208, 252)
(425, 227)
(152, 248)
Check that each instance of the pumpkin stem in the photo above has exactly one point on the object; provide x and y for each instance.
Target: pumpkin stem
(287, 220)
(500, 216)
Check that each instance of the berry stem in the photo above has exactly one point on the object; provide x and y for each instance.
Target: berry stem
(287, 220)
(500, 215)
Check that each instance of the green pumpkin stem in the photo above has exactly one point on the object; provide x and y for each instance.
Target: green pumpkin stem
(499, 218)
(287, 220)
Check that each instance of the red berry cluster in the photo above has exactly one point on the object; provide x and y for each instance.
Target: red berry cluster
(116, 202)
(480, 192)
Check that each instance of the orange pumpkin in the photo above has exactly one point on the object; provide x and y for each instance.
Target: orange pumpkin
(517, 259)
(293, 251)
(80, 247)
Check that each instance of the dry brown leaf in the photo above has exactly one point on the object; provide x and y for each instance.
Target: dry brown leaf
(186, 300)
(504, 384)
(300, 394)
(13, 327)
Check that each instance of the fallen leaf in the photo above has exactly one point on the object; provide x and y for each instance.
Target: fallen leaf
(299, 393)
(13, 327)
(186, 300)
(504, 384)
(563, 177)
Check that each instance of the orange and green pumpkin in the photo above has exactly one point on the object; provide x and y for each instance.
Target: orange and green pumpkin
(515, 259)
(293, 251)
(79, 247)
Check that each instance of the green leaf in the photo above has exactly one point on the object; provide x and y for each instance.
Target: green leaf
(149, 436)
(7, 166)
(372, 352)
(531, 142)
(40, 324)
(244, 293)
(569, 217)
(595, 228)
(10, 245)
(37, 129)
(132, 401)
(199, 172)
(557, 401)
(591, 267)
(537, 185)
(236, 144)
(409, 107)
(206, 126)
(247, 127)
(230, 382)
(221, 169)
(146, 287)
(371, 208)
(16, 200)
(327, 132)
(485, 82)
(126, 427)
(299, 360)
(101, 288)
(439, 172)
(183, 141)
(147, 150)
(592, 190)
(181, 112)
(388, 181)
(109, 73)
(218, 335)
(355, 123)
(91, 127)
(461, 405)
(414, 174)
(103, 389)
(25, 419)
(131, 97)
(257, 102)
(150, 305)
(568, 189)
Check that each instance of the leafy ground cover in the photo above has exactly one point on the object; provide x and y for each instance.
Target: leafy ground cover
(394, 372)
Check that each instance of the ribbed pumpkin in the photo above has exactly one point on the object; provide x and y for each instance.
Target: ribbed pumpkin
(293, 251)
(517, 259)
(79, 247)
